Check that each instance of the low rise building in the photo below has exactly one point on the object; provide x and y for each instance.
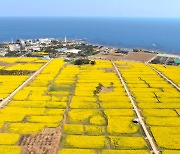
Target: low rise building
(46, 41)
(61, 49)
(3, 53)
(177, 61)
(14, 47)
(66, 51)
(75, 51)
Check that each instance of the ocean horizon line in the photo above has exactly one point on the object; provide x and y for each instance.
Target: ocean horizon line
(115, 17)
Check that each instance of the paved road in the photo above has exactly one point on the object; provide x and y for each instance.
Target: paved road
(140, 118)
(7, 99)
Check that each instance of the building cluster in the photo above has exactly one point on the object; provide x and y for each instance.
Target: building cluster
(51, 47)
(30, 44)
(38, 44)
(105, 50)
(3, 52)
(166, 59)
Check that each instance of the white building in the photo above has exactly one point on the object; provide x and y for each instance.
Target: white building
(35, 48)
(14, 47)
(46, 41)
(3, 52)
(21, 43)
(75, 51)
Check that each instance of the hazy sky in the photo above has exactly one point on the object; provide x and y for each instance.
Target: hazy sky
(120, 8)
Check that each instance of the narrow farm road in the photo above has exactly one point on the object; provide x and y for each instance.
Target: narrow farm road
(163, 76)
(136, 109)
(6, 100)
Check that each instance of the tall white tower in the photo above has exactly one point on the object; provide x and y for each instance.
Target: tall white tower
(65, 39)
(12, 40)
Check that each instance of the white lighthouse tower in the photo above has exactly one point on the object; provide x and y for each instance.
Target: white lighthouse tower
(65, 39)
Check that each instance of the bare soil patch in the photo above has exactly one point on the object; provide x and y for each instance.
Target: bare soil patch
(106, 89)
(106, 57)
(139, 56)
(3, 63)
(45, 142)
(108, 70)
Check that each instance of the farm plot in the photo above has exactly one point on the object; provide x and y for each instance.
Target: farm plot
(100, 115)
(9, 83)
(27, 64)
(167, 71)
(34, 114)
(12, 76)
(85, 109)
(1, 67)
(159, 101)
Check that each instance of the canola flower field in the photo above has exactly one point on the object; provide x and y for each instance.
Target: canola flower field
(8, 83)
(167, 71)
(88, 107)
(158, 100)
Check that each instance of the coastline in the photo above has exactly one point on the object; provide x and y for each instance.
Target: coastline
(151, 33)
(130, 49)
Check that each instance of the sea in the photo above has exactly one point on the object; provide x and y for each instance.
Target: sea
(161, 34)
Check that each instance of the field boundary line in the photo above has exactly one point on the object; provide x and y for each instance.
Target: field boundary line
(54, 79)
(166, 78)
(65, 115)
(6, 100)
(136, 109)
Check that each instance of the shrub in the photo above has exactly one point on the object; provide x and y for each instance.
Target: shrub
(84, 61)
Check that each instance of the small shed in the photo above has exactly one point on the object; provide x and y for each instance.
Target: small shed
(177, 61)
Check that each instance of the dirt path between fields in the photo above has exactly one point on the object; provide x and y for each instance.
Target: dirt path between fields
(166, 78)
(7, 99)
(149, 138)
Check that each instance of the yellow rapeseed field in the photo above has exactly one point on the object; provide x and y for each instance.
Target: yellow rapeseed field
(158, 100)
(90, 107)
(125, 152)
(30, 67)
(76, 151)
(25, 128)
(128, 142)
(167, 70)
(86, 142)
(4, 149)
(8, 139)
(167, 137)
(94, 130)
(71, 129)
